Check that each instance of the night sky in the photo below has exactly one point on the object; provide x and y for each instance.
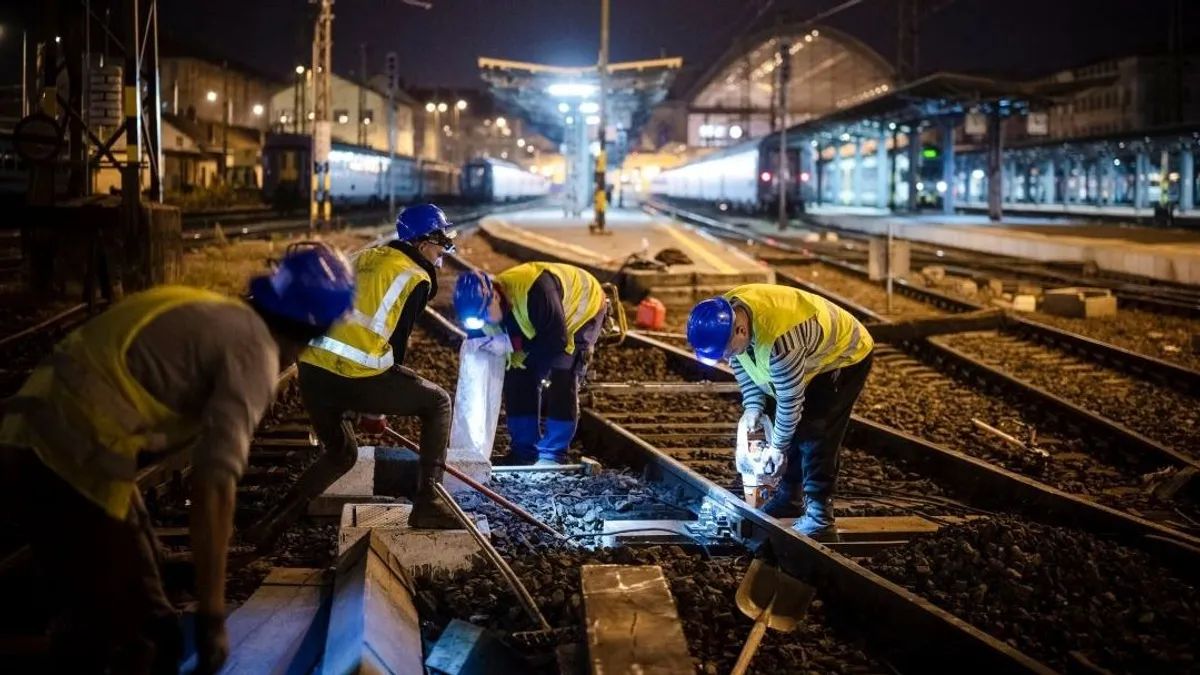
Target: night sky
(439, 47)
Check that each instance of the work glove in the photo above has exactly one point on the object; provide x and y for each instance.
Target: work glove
(212, 644)
(372, 424)
(516, 360)
(751, 421)
(757, 461)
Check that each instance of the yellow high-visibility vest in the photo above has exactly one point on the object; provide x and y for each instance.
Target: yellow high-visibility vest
(775, 310)
(84, 413)
(359, 345)
(583, 298)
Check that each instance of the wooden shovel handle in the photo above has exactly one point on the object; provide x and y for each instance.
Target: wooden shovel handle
(756, 635)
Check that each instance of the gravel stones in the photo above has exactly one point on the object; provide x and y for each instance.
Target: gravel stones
(862, 291)
(1059, 595)
(1161, 413)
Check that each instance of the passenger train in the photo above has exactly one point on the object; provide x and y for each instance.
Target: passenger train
(358, 175)
(487, 180)
(744, 176)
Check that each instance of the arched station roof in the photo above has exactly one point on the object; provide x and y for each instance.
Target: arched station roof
(831, 70)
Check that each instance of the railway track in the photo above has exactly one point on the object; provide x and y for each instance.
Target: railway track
(651, 403)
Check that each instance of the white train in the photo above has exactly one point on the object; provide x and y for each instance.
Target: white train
(743, 176)
(486, 180)
(358, 176)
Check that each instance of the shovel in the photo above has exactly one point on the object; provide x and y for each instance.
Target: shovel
(774, 600)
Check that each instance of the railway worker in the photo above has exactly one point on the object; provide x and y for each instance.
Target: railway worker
(164, 370)
(553, 315)
(356, 372)
(812, 357)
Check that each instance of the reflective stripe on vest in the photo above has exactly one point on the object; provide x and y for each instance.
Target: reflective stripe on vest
(85, 415)
(583, 298)
(775, 310)
(360, 344)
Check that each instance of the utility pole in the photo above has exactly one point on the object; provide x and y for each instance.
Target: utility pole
(362, 94)
(225, 125)
(321, 204)
(392, 69)
(601, 198)
(783, 179)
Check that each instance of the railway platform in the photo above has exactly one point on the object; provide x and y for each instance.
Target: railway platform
(1166, 254)
(626, 255)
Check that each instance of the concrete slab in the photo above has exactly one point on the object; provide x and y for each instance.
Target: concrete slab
(417, 550)
(632, 623)
(546, 235)
(471, 464)
(467, 649)
(281, 628)
(373, 624)
(1170, 255)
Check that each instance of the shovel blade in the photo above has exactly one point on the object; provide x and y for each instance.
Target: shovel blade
(764, 583)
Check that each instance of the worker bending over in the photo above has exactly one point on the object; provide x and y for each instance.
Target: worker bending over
(553, 315)
(168, 369)
(813, 358)
(356, 370)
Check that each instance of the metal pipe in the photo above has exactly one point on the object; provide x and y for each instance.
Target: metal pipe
(601, 199)
(782, 178)
(640, 388)
(494, 557)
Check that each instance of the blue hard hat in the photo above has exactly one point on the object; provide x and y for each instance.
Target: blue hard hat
(472, 297)
(710, 327)
(312, 286)
(421, 221)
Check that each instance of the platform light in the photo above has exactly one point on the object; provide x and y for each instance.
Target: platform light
(891, 126)
(366, 121)
(563, 107)
(311, 115)
(442, 107)
(258, 109)
(501, 122)
(845, 137)
(211, 96)
(570, 89)
(570, 120)
(589, 107)
(520, 142)
(735, 132)
(343, 118)
(593, 119)
(283, 119)
(299, 70)
(1116, 162)
(977, 174)
(504, 155)
(920, 186)
(461, 105)
(529, 149)
(57, 39)
(941, 186)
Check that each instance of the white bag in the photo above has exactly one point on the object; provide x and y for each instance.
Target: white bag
(481, 363)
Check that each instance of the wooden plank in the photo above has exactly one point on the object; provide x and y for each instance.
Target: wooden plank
(373, 625)
(879, 528)
(268, 633)
(632, 623)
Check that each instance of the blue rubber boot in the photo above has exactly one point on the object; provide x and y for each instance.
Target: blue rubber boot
(523, 446)
(552, 448)
(818, 521)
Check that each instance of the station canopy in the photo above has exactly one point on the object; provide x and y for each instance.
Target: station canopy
(536, 92)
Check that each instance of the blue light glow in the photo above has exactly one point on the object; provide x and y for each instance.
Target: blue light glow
(473, 323)
(707, 361)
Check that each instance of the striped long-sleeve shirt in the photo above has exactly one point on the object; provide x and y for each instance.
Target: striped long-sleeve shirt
(792, 366)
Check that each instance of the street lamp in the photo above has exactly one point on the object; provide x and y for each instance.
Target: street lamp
(430, 107)
(501, 122)
(442, 107)
(211, 96)
(520, 142)
(257, 110)
(299, 70)
(461, 105)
